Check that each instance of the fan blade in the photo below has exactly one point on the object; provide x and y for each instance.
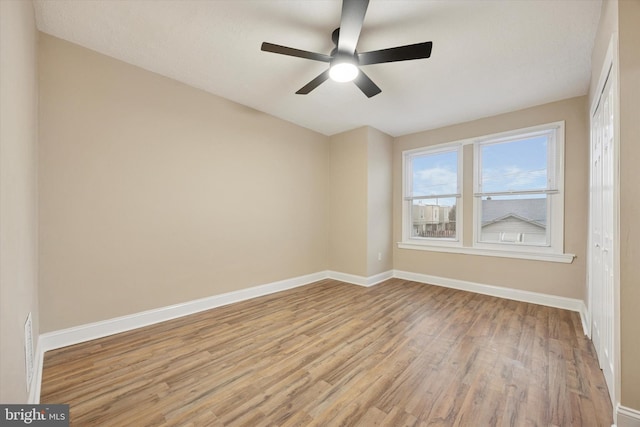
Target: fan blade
(314, 83)
(366, 85)
(393, 54)
(353, 12)
(284, 50)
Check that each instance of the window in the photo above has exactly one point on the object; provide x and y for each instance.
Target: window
(516, 203)
(432, 195)
(517, 191)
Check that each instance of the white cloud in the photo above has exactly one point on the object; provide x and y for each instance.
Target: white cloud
(434, 181)
(513, 178)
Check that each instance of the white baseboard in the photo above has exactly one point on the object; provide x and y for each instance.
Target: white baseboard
(379, 278)
(584, 318)
(91, 331)
(497, 291)
(627, 417)
(36, 380)
(65, 337)
(360, 280)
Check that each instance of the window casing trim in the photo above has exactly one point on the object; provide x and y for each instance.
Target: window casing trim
(555, 194)
(565, 258)
(554, 252)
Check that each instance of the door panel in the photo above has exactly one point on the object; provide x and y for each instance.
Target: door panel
(601, 262)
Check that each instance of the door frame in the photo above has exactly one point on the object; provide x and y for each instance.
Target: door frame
(609, 71)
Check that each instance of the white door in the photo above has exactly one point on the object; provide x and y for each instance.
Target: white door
(601, 270)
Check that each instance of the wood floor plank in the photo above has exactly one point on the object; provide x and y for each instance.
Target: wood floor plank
(396, 354)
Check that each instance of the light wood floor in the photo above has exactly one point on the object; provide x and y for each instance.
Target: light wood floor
(332, 354)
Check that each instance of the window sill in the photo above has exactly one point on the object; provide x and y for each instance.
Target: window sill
(551, 257)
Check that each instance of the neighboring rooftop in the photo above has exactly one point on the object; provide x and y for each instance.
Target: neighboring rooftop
(527, 209)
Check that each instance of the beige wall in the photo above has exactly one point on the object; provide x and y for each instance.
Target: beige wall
(18, 189)
(566, 280)
(360, 213)
(348, 202)
(607, 25)
(379, 202)
(153, 193)
(629, 41)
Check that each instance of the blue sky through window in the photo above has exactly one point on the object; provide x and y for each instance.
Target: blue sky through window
(515, 165)
(518, 165)
(435, 174)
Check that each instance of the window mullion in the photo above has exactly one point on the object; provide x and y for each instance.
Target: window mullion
(514, 193)
(439, 196)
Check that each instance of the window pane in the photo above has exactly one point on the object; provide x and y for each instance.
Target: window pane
(434, 218)
(514, 219)
(515, 165)
(435, 174)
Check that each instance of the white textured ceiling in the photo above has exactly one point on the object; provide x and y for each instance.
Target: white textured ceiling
(489, 57)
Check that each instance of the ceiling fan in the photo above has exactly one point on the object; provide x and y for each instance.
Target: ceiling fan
(344, 61)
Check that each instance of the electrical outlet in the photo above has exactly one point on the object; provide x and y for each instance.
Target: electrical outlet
(28, 349)
(379, 256)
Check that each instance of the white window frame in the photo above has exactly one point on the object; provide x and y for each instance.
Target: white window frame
(407, 199)
(554, 191)
(552, 253)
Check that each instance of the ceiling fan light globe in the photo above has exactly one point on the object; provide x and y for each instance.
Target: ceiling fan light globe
(343, 72)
